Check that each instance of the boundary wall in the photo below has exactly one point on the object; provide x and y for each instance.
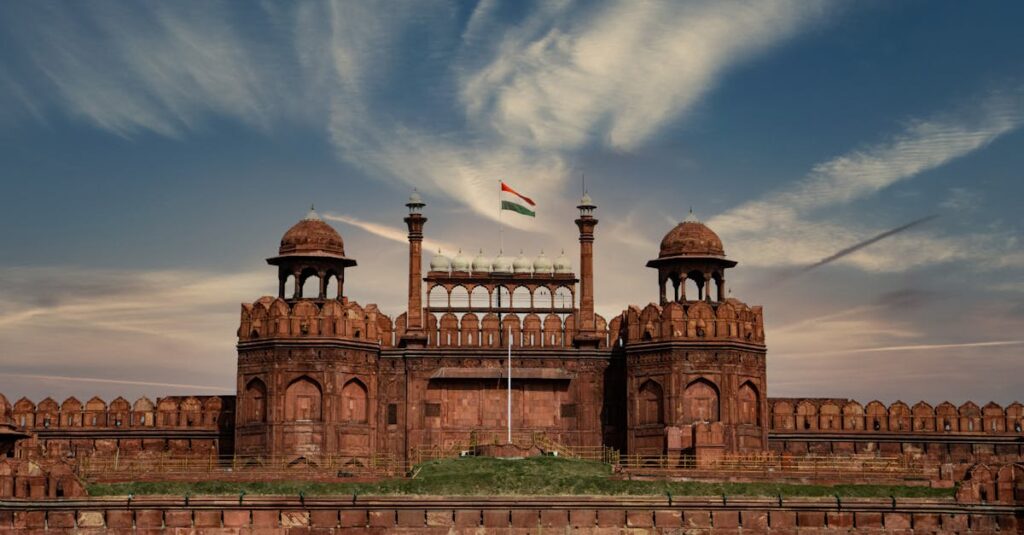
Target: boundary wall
(503, 515)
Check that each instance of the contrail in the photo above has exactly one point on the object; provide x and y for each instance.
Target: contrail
(113, 381)
(854, 248)
(388, 232)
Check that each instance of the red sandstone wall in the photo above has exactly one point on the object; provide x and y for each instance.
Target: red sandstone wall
(200, 425)
(699, 516)
(831, 415)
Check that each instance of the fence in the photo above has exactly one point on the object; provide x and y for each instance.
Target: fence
(805, 465)
(170, 466)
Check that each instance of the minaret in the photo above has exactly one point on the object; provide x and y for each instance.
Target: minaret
(414, 335)
(587, 326)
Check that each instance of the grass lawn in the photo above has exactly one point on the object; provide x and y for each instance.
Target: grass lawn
(483, 476)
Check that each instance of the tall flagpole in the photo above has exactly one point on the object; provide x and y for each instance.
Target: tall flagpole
(510, 384)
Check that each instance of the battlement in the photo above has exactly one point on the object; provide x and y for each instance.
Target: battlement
(209, 412)
(274, 317)
(453, 330)
(817, 415)
(698, 320)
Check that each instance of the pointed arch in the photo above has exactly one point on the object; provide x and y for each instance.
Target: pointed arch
(355, 406)
(701, 402)
(254, 408)
(303, 400)
(806, 416)
(650, 403)
(829, 416)
(749, 399)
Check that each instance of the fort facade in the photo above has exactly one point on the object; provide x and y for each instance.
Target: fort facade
(320, 375)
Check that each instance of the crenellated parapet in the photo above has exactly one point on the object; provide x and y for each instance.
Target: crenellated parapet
(532, 330)
(208, 412)
(277, 318)
(730, 320)
(820, 415)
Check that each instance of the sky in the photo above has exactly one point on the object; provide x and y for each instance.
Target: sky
(153, 153)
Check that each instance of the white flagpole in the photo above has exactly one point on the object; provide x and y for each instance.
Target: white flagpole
(509, 384)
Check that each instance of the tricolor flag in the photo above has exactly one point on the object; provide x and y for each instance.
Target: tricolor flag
(516, 202)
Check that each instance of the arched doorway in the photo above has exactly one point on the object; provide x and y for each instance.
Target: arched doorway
(700, 402)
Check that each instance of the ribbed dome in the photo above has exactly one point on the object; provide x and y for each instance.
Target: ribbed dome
(481, 264)
(563, 264)
(521, 264)
(440, 262)
(312, 237)
(542, 264)
(691, 238)
(460, 262)
(502, 264)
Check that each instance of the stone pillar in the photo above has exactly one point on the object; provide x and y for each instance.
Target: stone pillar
(414, 335)
(587, 328)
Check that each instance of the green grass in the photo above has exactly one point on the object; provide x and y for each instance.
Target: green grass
(481, 476)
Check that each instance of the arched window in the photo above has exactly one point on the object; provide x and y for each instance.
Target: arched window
(255, 402)
(563, 297)
(438, 297)
(480, 298)
(542, 298)
(749, 404)
(650, 400)
(700, 402)
(460, 296)
(521, 297)
(354, 406)
(302, 400)
(692, 291)
(310, 285)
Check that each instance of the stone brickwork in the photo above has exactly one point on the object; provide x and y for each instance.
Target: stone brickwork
(943, 433)
(446, 515)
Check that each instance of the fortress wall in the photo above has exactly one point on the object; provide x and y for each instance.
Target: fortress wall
(944, 433)
(185, 425)
(445, 515)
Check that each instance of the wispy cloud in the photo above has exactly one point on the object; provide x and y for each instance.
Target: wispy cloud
(521, 97)
(388, 232)
(621, 71)
(792, 226)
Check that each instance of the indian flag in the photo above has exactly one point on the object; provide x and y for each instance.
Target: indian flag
(516, 202)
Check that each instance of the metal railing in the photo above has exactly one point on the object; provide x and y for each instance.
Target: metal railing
(783, 464)
(242, 467)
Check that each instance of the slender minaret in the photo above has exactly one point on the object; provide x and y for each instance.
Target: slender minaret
(414, 335)
(587, 325)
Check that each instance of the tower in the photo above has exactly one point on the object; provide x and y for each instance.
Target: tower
(307, 359)
(414, 335)
(695, 362)
(587, 334)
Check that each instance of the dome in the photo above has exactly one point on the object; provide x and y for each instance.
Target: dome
(691, 238)
(542, 264)
(521, 264)
(502, 264)
(481, 264)
(460, 262)
(563, 264)
(312, 237)
(440, 262)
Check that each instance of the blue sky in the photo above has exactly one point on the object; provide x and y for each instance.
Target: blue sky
(153, 154)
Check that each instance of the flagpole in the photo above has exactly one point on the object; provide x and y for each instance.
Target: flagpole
(501, 229)
(510, 384)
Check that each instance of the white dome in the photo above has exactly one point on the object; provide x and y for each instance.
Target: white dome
(502, 264)
(542, 264)
(440, 262)
(460, 262)
(521, 264)
(481, 264)
(563, 264)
